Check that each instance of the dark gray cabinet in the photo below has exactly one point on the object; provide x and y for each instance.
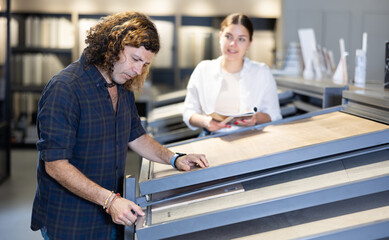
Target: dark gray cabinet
(4, 94)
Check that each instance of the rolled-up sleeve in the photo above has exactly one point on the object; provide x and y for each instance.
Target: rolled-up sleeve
(57, 122)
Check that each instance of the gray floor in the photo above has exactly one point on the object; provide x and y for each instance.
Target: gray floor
(17, 194)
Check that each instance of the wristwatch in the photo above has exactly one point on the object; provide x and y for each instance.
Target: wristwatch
(174, 158)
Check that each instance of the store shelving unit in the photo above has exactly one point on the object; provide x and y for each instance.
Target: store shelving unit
(42, 46)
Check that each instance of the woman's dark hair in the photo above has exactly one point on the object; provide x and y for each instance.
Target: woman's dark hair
(108, 38)
(237, 18)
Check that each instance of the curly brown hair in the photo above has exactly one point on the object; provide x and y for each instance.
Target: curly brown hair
(108, 38)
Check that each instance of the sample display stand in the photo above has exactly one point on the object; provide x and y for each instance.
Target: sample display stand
(312, 95)
(303, 177)
(165, 122)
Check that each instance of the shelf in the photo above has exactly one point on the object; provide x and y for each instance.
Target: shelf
(197, 21)
(164, 18)
(44, 45)
(38, 14)
(29, 88)
(264, 23)
(161, 69)
(23, 145)
(258, 23)
(92, 16)
(3, 124)
(22, 50)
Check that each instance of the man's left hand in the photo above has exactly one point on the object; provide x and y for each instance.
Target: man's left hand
(189, 161)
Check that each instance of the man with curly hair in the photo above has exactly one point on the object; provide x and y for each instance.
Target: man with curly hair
(86, 121)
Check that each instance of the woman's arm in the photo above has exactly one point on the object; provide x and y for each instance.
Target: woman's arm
(207, 122)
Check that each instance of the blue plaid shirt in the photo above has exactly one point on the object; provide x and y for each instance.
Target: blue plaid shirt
(76, 121)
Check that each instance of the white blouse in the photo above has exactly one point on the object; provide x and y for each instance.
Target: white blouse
(228, 98)
(257, 88)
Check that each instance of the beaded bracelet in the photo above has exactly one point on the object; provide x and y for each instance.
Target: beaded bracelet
(106, 200)
(113, 199)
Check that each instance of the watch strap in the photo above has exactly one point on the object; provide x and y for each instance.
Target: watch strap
(175, 157)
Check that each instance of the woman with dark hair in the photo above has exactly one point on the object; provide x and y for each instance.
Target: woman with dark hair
(231, 85)
(87, 119)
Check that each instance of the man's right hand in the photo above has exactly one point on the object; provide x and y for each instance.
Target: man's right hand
(125, 212)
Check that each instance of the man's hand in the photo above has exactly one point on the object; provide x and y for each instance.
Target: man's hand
(189, 161)
(124, 211)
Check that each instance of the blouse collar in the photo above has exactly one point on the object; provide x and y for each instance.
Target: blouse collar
(246, 63)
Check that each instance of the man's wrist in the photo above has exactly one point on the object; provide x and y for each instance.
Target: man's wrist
(174, 159)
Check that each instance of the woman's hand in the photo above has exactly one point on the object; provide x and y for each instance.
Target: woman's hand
(214, 125)
(257, 118)
(246, 121)
(207, 122)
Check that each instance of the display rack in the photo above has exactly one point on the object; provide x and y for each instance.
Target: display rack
(165, 123)
(329, 166)
(311, 95)
(41, 46)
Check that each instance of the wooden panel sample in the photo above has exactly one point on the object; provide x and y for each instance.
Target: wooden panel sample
(273, 139)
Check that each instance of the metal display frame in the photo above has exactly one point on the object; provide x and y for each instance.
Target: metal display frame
(368, 103)
(328, 92)
(130, 194)
(263, 209)
(171, 128)
(376, 230)
(271, 165)
(293, 92)
(147, 186)
(169, 98)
